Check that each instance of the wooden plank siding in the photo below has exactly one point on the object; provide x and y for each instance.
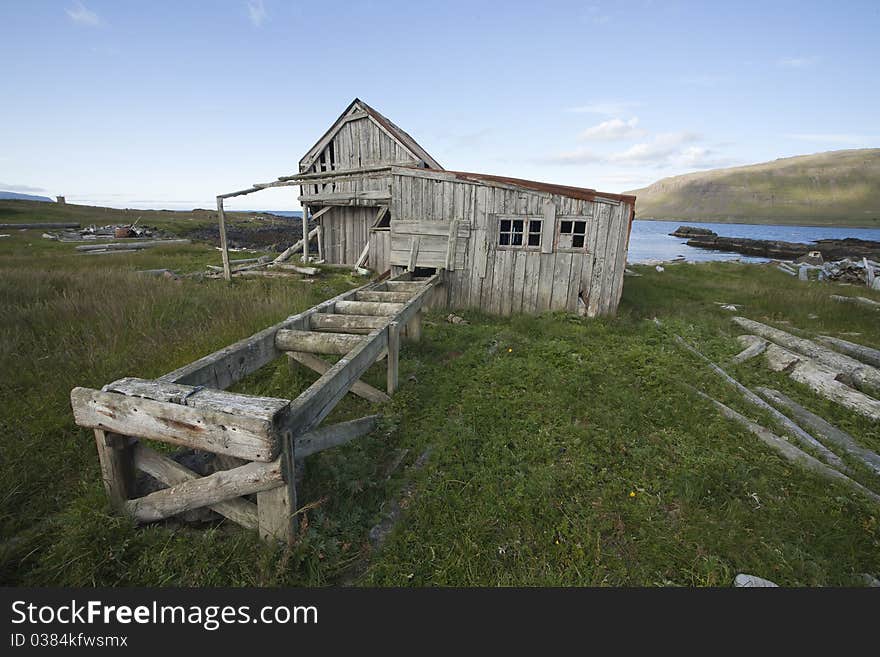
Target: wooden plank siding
(501, 280)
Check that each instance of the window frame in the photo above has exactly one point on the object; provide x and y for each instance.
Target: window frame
(527, 220)
(560, 219)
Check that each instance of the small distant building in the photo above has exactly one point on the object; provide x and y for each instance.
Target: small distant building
(60, 199)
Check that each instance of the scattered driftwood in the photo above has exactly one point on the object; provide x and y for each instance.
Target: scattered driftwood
(792, 428)
(820, 427)
(789, 452)
(39, 226)
(745, 581)
(108, 252)
(305, 271)
(862, 376)
(821, 380)
(293, 248)
(864, 301)
(265, 274)
(785, 269)
(112, 246)
(863, 353)
(754, 346)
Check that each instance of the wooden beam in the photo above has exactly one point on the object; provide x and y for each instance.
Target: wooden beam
(368, 308)
(229, 365)
(305, 238)
(313, 405)
(206, 491)
(359, 388)
(117, 469)
(358, 324)
(346, 197)
(362, 258)
(171, 473)
(334, 435)
(393, 356)
(247, 437)
(383, 296)
(293, 248)
(314, 342)
(404, 286)
(414, 252)
(224, 246)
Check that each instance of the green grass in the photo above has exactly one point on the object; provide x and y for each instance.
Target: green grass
(563, 451)
(837, 188)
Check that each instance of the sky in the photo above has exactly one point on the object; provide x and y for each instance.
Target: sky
(165, 104)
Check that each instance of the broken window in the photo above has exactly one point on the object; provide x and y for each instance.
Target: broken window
(572, 234)
(519, 232)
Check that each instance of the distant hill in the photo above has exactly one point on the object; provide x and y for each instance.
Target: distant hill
(834, 188)
(24, 197)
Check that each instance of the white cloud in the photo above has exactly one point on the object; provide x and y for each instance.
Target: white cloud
(257, 12)
(606, 107)
(613, 130)
(836, 138)
(82, 15)
(659, 151)
(796, 62)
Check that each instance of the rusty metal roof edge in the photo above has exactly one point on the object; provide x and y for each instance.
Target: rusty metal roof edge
(583, 193)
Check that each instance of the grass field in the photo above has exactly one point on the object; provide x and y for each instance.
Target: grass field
(557, 450)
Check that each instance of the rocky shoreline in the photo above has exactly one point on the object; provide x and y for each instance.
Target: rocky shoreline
(830, 249)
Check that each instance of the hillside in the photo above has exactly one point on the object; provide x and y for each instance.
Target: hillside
(837, 187)
(24, 197)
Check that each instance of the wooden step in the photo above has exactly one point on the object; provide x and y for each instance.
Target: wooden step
(375, 308)
(360, 324)
(383, 296)
(403, 286)
(312, 342)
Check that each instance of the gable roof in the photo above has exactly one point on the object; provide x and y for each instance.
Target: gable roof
(394, 131)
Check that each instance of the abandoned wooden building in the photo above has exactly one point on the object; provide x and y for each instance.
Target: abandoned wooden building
(505, 245)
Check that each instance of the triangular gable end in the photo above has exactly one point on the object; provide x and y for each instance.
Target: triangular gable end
(359, 110)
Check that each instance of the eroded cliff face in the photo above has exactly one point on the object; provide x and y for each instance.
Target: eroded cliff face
(838, 187)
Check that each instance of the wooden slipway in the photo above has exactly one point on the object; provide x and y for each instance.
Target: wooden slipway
(256, 439)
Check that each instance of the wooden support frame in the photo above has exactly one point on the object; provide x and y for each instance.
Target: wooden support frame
(224, 246)
(269, 434)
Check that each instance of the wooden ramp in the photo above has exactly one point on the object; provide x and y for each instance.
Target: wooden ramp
(256, 439)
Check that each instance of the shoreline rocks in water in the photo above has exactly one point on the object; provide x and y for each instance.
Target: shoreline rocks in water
(830, 249)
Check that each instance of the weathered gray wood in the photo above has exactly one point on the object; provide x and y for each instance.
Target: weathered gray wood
(822, 380)
(788, 451)
(754, 346)
(305, 271)
(864, 301)
(275, 514)
(383, 296)
(359, 388)
(414, 328)
(375, 308)
(306, 236)
(404, 286)
(313, 405)
(293, 248)
(117, 469)
(250, 438)
(863, 376)
(206, 491)
(452, 244)
(821, 427)
(171, 473)
(226, 366)
(791, 428)
(314, 342)
(548, 227)
(334, 435)
(861, 352)
(224, 246)
(358, 324)
(130, 246)
(362, 258)
(393, 356)
(413, 251)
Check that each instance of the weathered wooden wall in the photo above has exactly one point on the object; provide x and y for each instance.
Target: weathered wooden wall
(380, 251)
(346, 232)
(506, 281)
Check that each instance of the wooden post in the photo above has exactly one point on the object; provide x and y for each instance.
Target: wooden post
(276, 508)
(305, 222)
(414, 328)
(224, 248)
(320, 229)
(393, 356)
(117, 466)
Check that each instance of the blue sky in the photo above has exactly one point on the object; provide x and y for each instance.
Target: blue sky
(166, 104)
